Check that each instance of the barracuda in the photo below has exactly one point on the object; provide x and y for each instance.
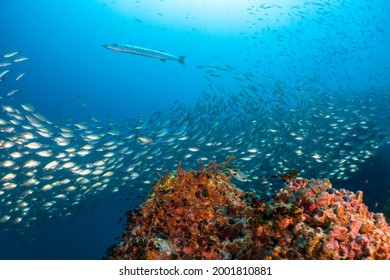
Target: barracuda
(163, 56)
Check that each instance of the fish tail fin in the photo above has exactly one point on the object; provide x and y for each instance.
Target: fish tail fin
(181, 59)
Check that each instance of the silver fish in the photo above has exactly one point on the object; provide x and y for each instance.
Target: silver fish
(144, 139)
(8, 55)
(239, 175)
(163, 56)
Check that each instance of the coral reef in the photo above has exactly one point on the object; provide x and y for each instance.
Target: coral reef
(202, 215)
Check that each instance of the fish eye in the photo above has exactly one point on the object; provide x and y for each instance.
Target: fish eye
(234, 173)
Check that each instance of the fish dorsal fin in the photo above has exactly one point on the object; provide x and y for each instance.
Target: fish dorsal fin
(230, 168)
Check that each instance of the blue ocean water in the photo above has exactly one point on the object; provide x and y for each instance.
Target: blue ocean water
(278, 47)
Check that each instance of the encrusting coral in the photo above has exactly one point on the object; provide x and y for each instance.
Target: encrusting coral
(202, 215)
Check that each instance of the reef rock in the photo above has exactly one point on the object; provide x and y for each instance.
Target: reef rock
(202, 215)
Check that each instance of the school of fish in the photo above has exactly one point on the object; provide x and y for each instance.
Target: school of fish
(48, 169)
(51, 169)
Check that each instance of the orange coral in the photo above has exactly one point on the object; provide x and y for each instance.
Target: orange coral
(201, 215)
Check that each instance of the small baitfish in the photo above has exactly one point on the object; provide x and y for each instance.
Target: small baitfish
(146, 140)
(163, 56)
(239, 175)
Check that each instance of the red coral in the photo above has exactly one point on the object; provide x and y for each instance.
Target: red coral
(201, 215)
